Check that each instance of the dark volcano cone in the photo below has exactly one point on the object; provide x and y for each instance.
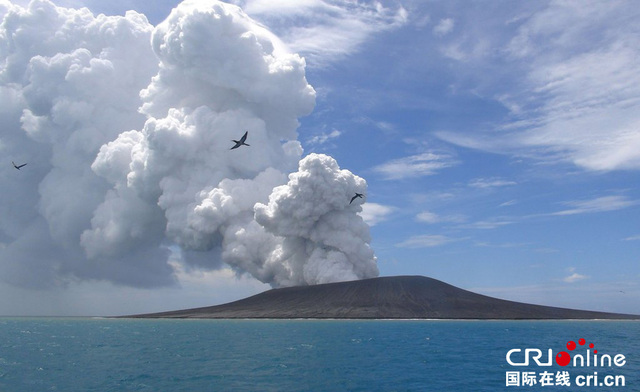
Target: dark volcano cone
(399, 297)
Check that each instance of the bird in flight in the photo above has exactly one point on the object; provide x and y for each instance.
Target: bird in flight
(18, 166)
(240, 142)
(356, 196)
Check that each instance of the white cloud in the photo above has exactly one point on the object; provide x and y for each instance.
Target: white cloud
(374, 213)
(424, 164)
(174, 180)
(578, 100)
(505, 245)
(632, 238)
(546, 250)
(574, 277)
(432, 218)
(320, 236)
(420, 21)
(127, 131)
(484, 183)
(426, 241)
(324, 30)
(70, 83)
(324, 137)
(444, 27)
(428, 217)
(600, 204)
(455, 51)
(590, 111)
(487, 224)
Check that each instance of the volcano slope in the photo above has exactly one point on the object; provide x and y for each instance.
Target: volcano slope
(396, 297)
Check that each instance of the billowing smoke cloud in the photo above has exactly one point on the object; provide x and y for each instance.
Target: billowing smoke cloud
(324, 240)
(70, 82)
(127, 132)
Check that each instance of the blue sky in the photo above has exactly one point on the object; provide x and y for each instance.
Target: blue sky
(500, 142)
(496, 139)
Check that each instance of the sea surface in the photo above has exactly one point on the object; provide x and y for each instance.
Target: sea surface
(87, 354)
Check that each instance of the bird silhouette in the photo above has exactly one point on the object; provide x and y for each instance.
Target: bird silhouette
(356, 196)
(18, 166)
(240, 142)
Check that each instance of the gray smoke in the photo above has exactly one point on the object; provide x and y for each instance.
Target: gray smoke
(127, 132)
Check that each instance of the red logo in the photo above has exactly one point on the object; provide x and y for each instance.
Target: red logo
(578, 355)
(563, 358)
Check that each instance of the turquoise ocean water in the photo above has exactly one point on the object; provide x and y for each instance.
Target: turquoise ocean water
(84, 354)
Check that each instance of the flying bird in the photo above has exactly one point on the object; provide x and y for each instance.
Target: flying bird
(356, 196)
(240, 142)
(18, 166)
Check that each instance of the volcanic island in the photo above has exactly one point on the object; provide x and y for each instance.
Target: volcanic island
(393, 297)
